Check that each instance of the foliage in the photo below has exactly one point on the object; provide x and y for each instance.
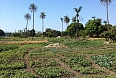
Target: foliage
(66, 20)
(72, 28)
(2, 32)
(108, 61)
(51, 33)
(8, 47)
(16, 74)
(93, 27)
(11, 60)
(52, 72)
(110, 35)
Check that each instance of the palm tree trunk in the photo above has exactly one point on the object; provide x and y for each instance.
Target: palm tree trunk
(33, 26)
(26, 28)
(62, 28)
(42, 27)
(77, 28)
(107, 12)
(33, 19)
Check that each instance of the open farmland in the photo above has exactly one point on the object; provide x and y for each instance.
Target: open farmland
(79, 59)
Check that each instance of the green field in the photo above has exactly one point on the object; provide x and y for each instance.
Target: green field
(79, 59)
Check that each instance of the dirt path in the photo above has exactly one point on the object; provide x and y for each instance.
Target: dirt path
(28, 67)
(109, 72)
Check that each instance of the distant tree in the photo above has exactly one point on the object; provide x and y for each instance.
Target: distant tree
(106, 2)
(27, 17)
(110, 34)
(74, 19)
(77, 18)
(42, 16)
(48, 32)
(32, 32)
(33, 9)
(94, 27)
(2, 32)
(62, 25)
(66, 20)
(52, 33)
(71, 29)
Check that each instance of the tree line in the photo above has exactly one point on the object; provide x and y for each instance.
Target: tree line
(93, 28)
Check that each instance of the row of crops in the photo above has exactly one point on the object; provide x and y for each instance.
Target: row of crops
(108, 61)
(16, 74)
(44, 64)
(12, 62)
(79, 64)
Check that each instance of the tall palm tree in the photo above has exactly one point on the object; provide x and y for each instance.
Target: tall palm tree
(33, 9)
(42, 16)
(27, 17)
(77, 16)
(62, 25)
(107, 3)
(66, 20)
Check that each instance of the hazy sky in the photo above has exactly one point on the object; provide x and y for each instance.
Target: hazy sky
(12, 13)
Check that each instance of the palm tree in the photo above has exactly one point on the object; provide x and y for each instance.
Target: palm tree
(62, 25)
(107, 3)
(74, 19)
(27, 17)
(94, 17)
(77, 16)
(33, 9)
(66, 20)
(42, 16)
(105, 22)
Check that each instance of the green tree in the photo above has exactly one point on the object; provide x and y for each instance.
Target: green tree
(66, 20)
(62, 25)
(74, 19)
(110, 34)
(77, 18)
(71, 29)
(2, 32)
(42, 16)
(48, 32)
(33, 9)
(27, 17)
(52, 33)
(94, 27)
(107, 3)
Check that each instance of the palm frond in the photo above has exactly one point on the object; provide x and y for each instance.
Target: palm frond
(27, 16)
(61, 19)
(74, 19)
(66, 19)
(106, 1)
(80, 18)
(78, 10)
(33, 7)
(42, 15)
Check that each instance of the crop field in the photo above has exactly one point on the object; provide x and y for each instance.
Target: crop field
(23, 58)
